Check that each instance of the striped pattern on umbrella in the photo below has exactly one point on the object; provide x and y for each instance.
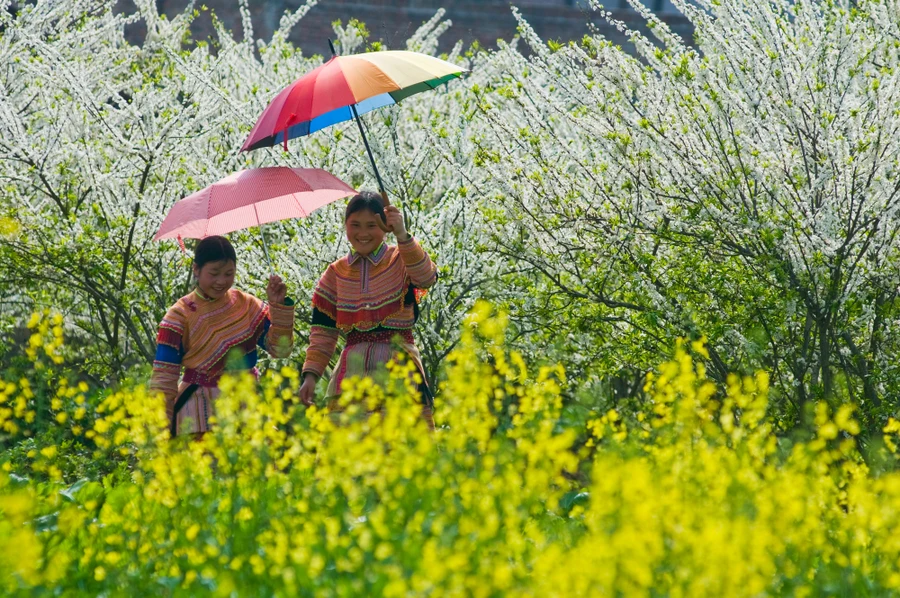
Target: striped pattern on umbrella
(323, 96)
(250, 198)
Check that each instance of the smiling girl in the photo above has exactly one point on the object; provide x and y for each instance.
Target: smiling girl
(199, 332)
(370, 297)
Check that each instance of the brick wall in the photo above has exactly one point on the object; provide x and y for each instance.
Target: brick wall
(393, 21)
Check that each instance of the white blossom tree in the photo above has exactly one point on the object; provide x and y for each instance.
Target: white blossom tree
(744, 187)
(100, 137)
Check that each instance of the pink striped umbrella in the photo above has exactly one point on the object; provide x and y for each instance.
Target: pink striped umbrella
(252, 198)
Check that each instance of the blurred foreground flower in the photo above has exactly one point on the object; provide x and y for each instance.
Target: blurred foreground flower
(694, 495)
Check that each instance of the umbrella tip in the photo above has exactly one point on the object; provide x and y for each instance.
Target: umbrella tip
(331, 45)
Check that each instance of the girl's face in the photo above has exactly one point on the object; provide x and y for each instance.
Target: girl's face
(215, 278)
(363, 231)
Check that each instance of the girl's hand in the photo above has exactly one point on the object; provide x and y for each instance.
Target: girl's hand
(394, 219)
(308, 389)
(276, 290)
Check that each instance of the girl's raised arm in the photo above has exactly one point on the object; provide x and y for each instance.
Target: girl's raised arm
(279, 335)
(422, 271)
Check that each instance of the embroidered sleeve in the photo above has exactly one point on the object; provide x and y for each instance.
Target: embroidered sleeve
(279, 335)
(422, 271)
(323, 337)
(169, 352)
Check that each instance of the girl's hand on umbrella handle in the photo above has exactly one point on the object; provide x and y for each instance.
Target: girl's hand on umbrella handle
(308, 389)
(394, 219)
(276, 290)
(382, 222)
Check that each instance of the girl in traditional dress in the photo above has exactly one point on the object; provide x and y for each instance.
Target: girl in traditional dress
(370, 297)
(201, 329)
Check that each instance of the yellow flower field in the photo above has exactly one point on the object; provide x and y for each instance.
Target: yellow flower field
(694, 495)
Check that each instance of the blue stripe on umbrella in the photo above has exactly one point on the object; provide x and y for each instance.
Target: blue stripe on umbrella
(379, 101)
(333, 117)
(297, 130)
(329, 118)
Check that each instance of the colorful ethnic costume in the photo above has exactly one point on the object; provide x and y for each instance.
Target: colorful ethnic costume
(197, 334)
(372, 301)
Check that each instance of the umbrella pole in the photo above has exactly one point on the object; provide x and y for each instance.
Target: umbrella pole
(266, 249)
(384, 197)
(371, 157)
(262, 234)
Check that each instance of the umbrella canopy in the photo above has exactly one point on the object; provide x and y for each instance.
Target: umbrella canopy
(330, 93)
(252, 198)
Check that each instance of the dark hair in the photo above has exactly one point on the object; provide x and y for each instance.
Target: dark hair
(213, 249)
(365, 200)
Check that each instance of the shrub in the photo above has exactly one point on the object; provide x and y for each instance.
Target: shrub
(693, 496)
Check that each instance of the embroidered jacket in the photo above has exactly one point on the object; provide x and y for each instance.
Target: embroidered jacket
(197, 334)
(367, 293)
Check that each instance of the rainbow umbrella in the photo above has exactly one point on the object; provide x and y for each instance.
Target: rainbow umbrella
(342, 89)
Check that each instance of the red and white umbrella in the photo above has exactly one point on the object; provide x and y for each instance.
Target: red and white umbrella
(252, 198)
